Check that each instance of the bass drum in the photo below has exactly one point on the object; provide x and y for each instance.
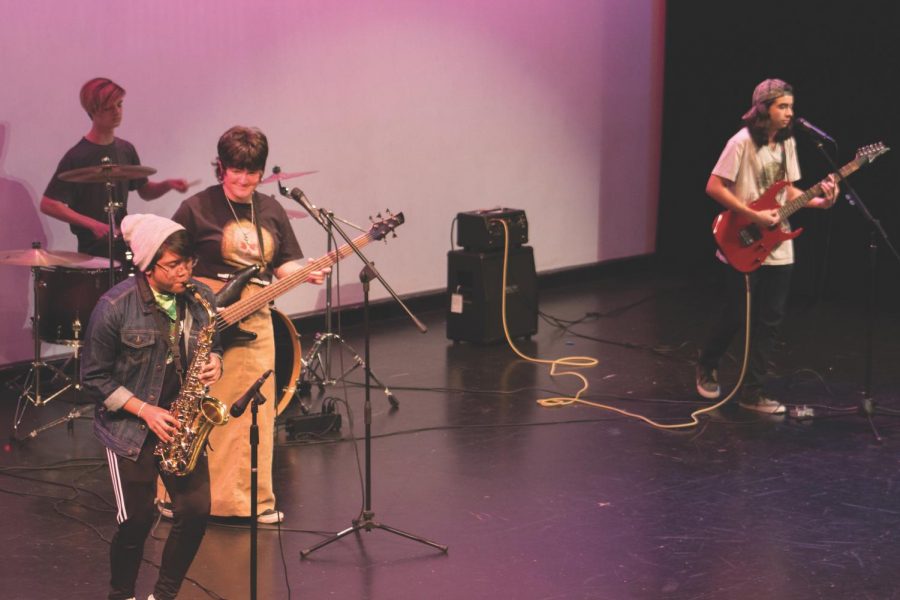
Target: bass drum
(66, 298)
(287, 359)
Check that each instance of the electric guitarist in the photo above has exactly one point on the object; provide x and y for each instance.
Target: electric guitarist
(762, 153)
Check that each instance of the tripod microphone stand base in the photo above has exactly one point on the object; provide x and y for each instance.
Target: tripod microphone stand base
(366, 522)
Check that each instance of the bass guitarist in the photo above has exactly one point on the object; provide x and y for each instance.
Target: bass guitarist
(235, 226)
(762, 153)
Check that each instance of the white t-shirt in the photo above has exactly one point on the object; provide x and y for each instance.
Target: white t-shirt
(749, 171)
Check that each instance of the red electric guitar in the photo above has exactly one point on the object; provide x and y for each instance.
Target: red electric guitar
(746, 245)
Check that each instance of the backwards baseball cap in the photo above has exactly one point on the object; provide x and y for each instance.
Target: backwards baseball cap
(765, 91)
(145, 234)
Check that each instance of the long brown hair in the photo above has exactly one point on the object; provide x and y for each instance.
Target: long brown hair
(758, 121)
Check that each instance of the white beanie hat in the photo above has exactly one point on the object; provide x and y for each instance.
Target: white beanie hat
(145, 234)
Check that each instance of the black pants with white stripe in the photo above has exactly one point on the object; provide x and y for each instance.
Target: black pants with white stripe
(134, 484)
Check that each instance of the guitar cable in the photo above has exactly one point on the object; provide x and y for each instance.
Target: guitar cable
(582, 362)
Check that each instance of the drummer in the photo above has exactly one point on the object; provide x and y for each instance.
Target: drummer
(83, 205)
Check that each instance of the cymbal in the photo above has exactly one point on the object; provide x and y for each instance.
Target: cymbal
(38, 257)
(106, 172)
(283, 176)
(96, 263)
(296, 214)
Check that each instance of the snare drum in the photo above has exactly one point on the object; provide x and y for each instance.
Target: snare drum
(66, 297)
(287, 359)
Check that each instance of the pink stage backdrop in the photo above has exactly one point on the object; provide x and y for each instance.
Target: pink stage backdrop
(429, 107)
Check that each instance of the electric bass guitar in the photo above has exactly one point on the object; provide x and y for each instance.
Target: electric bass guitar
(746, 245)
(230, 315)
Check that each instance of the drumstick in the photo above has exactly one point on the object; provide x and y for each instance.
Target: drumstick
(193, 183)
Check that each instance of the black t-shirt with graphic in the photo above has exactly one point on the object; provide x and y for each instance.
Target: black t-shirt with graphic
(90, 199)
(225, 245)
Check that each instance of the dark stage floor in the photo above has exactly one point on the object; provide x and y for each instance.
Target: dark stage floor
(533, 502)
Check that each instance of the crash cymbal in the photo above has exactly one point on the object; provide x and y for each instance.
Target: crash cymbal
(283, 176)
(38, 257)
(296, 214)
(106, 172)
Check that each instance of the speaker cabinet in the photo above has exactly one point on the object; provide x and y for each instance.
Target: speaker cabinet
(477, 277)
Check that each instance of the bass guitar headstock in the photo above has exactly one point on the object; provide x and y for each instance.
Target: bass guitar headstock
(383, 225)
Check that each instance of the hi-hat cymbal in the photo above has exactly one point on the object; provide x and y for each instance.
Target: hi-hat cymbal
(283, 176)
(38, 257)
(106, 172)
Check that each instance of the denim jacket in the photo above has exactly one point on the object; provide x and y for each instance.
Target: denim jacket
(125, 355)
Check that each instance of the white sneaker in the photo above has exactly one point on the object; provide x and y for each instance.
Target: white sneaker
(165, 509)
(270, 516)
(763, 405)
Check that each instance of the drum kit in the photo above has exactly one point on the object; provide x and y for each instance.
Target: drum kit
(66, 287)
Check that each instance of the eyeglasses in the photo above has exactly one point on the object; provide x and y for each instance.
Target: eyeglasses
(186, 263)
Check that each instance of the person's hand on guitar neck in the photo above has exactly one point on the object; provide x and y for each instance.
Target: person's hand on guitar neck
(829, 194)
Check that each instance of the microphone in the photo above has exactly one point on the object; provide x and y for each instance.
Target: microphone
(809, 127)
(238, 408)
(298, 195)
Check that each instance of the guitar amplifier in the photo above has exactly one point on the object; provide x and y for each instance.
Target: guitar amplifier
(478, 230)
(476, 279)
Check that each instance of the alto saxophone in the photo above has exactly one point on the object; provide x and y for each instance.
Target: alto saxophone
(196, 412)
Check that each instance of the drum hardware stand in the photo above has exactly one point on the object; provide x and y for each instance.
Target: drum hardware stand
(31, 387)
(75, 385)
(111, 207)
(315, 367)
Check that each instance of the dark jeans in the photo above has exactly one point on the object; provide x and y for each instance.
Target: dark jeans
(134, 484)
(769, 287)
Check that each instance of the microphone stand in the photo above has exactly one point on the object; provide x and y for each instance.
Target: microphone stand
(866, 406)
(366, 520)
(254, 493)
(316, 367)
(257, 399)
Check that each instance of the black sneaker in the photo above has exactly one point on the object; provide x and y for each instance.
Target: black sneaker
(708, 382)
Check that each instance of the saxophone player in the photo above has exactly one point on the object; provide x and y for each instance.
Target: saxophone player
(141, 336)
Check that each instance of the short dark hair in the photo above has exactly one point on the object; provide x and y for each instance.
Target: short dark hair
(243, 148)
(758, 122)
(180, 243)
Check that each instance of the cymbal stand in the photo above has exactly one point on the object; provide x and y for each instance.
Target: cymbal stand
(111, 207)
(31, 387)
(74, 384)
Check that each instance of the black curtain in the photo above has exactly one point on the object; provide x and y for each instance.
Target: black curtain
(842, 60)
